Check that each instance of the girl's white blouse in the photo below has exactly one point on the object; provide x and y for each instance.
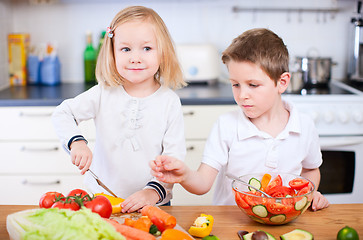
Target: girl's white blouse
(130, 132)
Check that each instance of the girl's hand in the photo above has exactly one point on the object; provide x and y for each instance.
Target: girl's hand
(81, 155)
(139, 199)
(168, 169)
(319, 201)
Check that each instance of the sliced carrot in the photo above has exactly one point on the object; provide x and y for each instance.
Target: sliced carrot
(159, 217)
(130, 233)
(265, 180)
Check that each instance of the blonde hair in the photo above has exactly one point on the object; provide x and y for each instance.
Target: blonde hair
(261, 47)
(169, 72)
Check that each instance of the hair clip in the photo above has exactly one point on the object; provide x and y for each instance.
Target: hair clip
(110, 33)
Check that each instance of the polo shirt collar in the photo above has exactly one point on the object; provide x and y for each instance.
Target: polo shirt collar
(246, 129)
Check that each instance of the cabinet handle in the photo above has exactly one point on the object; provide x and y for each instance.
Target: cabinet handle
(27, 182)
(38, 149)
(32, 114)
(190, 113)
(190, 148)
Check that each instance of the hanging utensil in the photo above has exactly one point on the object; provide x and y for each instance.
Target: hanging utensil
(101, 183)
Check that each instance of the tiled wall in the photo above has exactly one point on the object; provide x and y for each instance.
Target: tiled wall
(5, 23)
(189, 21)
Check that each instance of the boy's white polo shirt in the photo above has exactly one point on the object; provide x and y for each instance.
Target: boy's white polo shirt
(237, 147)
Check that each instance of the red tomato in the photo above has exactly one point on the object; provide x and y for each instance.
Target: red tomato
(298, 183)
(101, 205)
(59, 204)
(158, 223)
(239, 200)
(278, 208)
(253, 200)
(77, 192)
(277, 181)
(48, 199)
(280, 191)
(303, 191)
(72, 205)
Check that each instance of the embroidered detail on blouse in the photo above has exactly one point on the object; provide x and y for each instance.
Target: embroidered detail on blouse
(132, 120)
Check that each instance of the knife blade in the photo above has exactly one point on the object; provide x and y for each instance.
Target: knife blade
(101, 183)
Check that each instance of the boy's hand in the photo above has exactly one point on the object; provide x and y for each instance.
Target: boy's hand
(81, 155)
(319, 201)
(139, 199)
(168, 169)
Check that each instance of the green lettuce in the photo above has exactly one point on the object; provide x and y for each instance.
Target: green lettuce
(65, 224)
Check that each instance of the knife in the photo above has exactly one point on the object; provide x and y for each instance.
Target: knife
(101, 183)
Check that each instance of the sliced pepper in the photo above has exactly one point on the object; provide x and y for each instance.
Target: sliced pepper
(115, 202)
(202, 226)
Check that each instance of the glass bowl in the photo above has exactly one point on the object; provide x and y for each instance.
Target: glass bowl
(285, 204)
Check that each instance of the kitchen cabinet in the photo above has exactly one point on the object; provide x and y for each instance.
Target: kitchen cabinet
(33, 160)
(198, 120)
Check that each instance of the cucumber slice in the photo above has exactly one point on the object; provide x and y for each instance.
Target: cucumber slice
(260, 210)
(254, 182)
(278, 218)
(297, 234)
(299, 205)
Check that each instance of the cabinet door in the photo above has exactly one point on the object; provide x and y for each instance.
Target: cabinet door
(199, 120)
(181, 197)
(27, 189)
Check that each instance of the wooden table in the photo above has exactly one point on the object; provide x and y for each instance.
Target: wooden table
(323, 224)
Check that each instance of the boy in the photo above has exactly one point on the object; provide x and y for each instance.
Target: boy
(267, 134)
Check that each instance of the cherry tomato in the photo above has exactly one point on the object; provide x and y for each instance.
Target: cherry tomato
(101, 205)
(298, 183)
(77, 192)
(280, 191)
(277, 181)
(48, 199)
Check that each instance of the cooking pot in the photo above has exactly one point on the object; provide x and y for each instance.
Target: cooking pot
(315, 71)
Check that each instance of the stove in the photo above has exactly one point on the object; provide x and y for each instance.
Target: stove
(338, 115)
(336, 110)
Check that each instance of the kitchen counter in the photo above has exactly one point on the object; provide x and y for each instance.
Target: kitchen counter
(323, 224)
(194, 94)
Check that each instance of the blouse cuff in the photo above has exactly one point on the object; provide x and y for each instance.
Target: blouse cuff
(158, 188)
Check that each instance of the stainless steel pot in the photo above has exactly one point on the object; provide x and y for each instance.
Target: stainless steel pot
(315, 71)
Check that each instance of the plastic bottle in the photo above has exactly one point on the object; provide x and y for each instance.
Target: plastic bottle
(90, 57)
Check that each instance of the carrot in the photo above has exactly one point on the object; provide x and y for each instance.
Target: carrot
(160, 218)
(265, 180)
(130, 233)
(142, 223)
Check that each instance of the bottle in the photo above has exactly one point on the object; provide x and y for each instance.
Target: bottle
(90, 57)
(102, 37)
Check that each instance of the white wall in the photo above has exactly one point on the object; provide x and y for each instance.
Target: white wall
(189, 21)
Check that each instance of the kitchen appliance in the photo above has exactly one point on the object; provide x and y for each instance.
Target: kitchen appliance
(315, 71)
(355, 58)
(338, 115)
(200, 63)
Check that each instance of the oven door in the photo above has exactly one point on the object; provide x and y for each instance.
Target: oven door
(342, 169)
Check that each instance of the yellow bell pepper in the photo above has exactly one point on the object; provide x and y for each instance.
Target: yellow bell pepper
(202, 226)
(115, 202)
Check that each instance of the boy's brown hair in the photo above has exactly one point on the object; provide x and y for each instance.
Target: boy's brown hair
(261, 47)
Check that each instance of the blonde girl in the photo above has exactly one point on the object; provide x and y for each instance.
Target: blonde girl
(136, 114)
